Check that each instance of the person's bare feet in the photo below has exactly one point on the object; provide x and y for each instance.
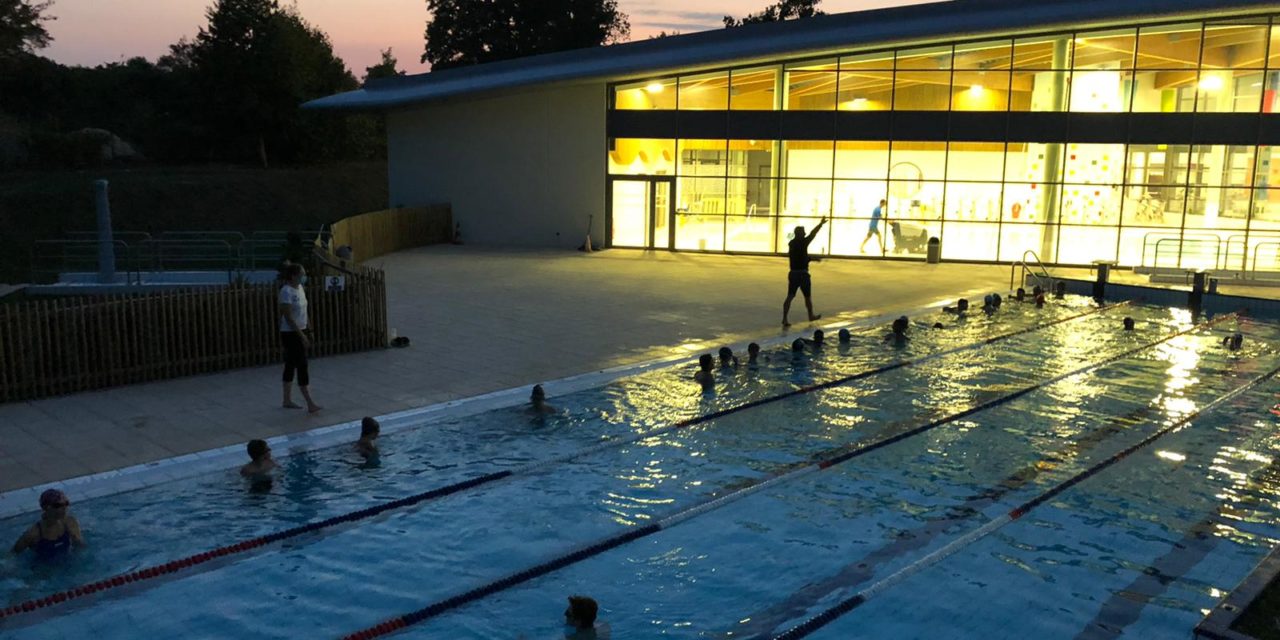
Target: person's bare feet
(314, 408)
(291, 405)
(815, 317)
(785, 324)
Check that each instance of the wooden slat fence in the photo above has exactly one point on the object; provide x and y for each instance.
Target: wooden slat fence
(64, 345)
(378, 233)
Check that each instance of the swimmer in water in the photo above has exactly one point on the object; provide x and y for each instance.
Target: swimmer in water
(538, 401)
(260, 462)
(844, 336)
(704, 376)
(753, 353)
(962, 305)
(727, 359)
(56, 531)
(898, 335)
(1020, 295)
(370, 429)
(1128, 324)
(580, 620)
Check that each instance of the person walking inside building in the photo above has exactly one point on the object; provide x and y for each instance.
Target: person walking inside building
(873, 229)
(293, 326)
(798, 277)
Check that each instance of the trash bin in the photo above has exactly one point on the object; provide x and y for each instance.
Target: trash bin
(934, 255)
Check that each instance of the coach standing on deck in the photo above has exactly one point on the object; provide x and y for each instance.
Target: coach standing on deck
(798, 277)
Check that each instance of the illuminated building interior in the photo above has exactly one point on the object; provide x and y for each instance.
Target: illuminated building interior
(914, 126)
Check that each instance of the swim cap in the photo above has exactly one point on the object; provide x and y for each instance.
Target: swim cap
(51, 497)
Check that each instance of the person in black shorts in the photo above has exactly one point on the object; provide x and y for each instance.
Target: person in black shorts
(798, 277)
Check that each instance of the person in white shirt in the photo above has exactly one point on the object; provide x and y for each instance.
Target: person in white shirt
(293, 325)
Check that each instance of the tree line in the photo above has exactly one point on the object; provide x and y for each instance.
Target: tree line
(232, 93)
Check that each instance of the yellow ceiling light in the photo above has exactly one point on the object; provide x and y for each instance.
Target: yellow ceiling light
(975, 90)
(1211, 83)
(654, 87)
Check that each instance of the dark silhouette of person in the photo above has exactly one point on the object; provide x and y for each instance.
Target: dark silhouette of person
(704, 376)
(798, 276)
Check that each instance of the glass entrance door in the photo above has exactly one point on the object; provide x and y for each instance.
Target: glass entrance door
(642, 211)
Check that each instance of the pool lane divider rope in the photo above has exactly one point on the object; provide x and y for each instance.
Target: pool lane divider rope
(853, 602)
(397, 623)
(221, 553)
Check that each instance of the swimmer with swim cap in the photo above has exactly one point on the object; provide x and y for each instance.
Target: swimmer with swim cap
(56, 531)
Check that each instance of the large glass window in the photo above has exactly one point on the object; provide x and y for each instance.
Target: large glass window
(754, 89)
(642, 156)
(975, 161)
(650, 94)
(922, 79)
(751, 185)
(868, 160)
(1235, 44)
(865, 91)
(981, 79)
(1043, 52)
(812, 86)
(1212, 206)
(708, 91)
(1111, 49)
(807, 158)
(1169, 46)
(703, 168)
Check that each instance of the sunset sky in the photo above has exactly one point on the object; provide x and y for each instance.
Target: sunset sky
(91, 32)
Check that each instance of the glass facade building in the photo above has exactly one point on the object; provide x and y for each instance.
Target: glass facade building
(1148, 145)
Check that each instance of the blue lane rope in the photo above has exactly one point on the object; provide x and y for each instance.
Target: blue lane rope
(399, 622)
(188, 562)
(849, 604)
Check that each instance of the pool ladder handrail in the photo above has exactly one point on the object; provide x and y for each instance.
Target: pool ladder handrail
(1026, 268)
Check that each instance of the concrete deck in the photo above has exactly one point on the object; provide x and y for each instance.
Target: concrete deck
(479, 320)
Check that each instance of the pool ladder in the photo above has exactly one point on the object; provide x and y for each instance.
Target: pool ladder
(1044, 278)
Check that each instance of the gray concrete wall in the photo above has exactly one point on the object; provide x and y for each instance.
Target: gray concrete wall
(519, 170)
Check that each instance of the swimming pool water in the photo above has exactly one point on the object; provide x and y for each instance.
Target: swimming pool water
(772, 559)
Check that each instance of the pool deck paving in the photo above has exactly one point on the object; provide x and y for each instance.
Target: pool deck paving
(480, 320)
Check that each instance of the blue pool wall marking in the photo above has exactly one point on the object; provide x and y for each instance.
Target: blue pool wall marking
(26, 500)
(399, 622)
(830, 615)
(221, 553)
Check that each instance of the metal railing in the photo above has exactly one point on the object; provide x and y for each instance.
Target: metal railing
(138, 251)
(1176, 244)
(1274, 256)
(52, 258)
(1044, 271)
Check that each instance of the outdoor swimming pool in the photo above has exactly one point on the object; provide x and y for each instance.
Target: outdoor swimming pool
(1140, 548)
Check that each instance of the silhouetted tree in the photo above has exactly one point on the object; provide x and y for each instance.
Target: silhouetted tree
(783, 10)
(384, 69)
(252, 65)
(21, 28)
(463, 32)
